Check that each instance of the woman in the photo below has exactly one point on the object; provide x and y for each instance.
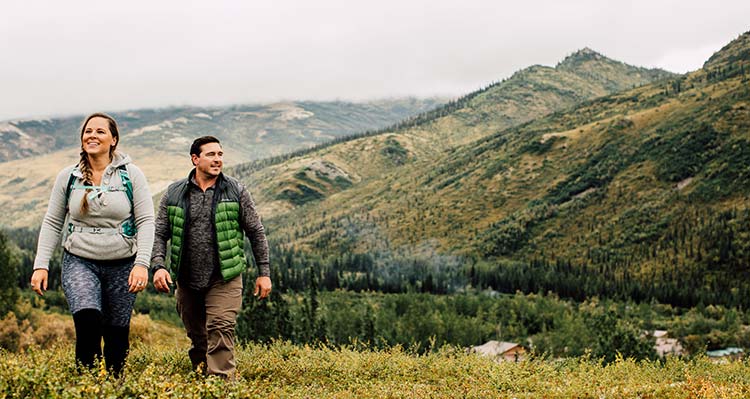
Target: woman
(103, 207)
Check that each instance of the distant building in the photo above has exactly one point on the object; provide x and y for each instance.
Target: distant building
(726, 354)
(660, 333)
(501, 351)
(665, 346)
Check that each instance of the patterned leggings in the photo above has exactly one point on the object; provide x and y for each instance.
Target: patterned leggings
(100, 285)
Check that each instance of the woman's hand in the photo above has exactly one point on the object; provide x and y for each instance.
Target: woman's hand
(138, 279)
(39, 281)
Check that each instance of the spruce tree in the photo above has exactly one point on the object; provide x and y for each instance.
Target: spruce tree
(8, 276)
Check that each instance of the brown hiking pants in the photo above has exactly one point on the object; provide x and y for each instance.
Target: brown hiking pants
(209, 316)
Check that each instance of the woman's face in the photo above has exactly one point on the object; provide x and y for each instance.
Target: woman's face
(97, 139)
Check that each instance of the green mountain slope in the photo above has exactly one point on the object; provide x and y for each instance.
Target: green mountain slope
(641, 194)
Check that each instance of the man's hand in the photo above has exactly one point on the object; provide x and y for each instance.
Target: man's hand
(162, 280)
(39, 281)
(138, 279)
(262, 287)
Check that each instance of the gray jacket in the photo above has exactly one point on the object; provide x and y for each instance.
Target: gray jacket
(108, 210)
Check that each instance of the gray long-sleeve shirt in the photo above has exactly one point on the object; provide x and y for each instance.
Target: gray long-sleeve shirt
(199, 246)
(107, 210)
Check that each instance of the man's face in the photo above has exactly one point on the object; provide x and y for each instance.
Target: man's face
(209, 162)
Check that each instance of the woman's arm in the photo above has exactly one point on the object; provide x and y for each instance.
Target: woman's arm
(54, 220)
(143, 210)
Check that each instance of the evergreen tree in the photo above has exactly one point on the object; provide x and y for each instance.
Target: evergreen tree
(262, 320)
(8, 276)
(612, 336)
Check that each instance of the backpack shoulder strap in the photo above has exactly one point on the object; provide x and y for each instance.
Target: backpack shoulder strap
(69, 186)
(125, 177)
(128, 228)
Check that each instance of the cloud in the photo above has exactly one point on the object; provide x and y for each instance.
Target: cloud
(82, 56)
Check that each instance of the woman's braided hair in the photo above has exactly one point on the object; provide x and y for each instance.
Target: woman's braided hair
(84, 164)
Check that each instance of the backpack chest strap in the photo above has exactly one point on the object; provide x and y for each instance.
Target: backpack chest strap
(93, 230)
(127, 229)
(96, 190)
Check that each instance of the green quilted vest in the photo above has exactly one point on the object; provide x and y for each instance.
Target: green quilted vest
(229, 237)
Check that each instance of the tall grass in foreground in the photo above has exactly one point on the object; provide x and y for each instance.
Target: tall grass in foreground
(285, 370)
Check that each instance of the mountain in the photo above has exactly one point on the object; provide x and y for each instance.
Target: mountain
(158, 140)
(733, 54)
(288, 182)
(538, 184)
(256, 131)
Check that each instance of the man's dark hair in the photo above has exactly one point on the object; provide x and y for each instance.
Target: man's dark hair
(195, 148)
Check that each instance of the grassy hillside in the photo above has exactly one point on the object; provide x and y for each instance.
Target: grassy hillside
(41, 362)
(32, 152)
(284, 370)
(640, 194)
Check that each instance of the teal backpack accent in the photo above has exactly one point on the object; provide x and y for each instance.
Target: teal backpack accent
(128, 227)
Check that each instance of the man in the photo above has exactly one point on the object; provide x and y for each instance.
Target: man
(204, 216)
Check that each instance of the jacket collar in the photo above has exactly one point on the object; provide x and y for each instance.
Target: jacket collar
(219, 180)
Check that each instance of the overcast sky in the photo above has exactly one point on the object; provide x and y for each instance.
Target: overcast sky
(75, 57)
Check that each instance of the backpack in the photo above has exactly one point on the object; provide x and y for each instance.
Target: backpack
(128, 227)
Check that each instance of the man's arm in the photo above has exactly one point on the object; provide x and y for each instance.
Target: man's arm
(253, 227)
(162, 279)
